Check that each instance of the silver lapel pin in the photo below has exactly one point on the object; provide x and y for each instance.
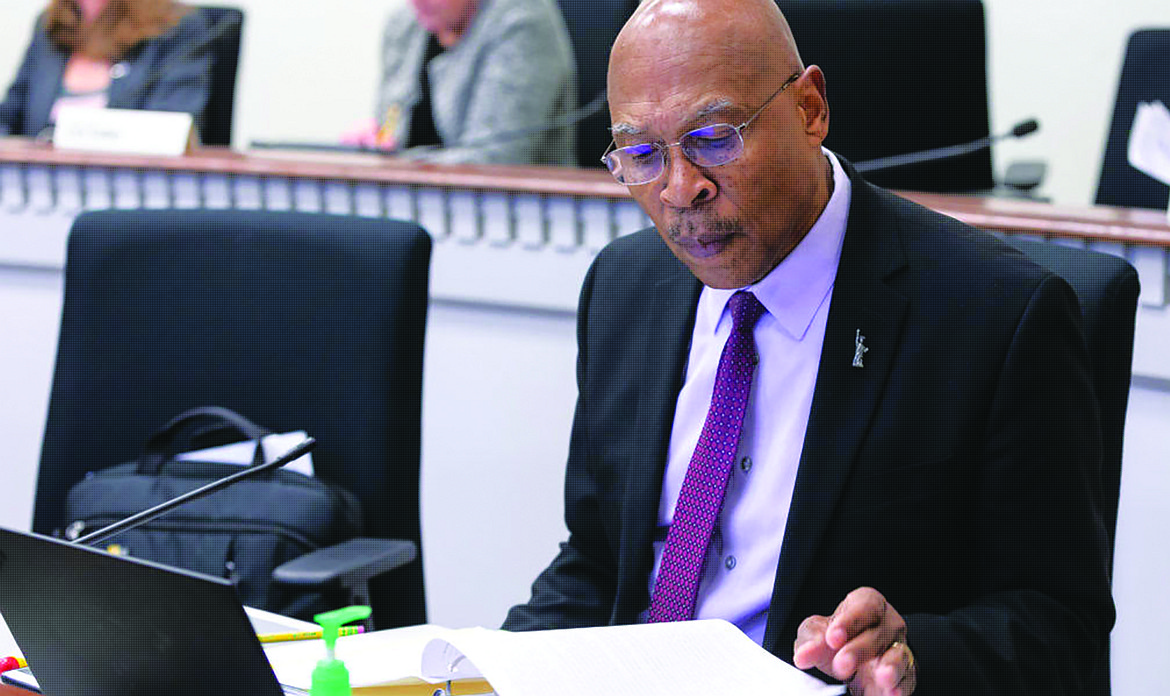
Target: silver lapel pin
(859, 349)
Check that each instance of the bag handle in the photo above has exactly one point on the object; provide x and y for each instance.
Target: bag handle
(163, 444)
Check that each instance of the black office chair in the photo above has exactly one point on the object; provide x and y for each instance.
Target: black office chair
(216, 123)
(865, 47)
(298, 321)
(1145, 76)
(1107, 288)
(593, 25)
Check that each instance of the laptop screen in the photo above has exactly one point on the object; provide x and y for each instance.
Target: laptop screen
(92, 624)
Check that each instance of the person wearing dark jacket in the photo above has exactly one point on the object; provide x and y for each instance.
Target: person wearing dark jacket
(125, 54)
(861, 431)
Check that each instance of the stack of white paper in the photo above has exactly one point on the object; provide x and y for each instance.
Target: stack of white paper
(709, 656)
(1149, 140)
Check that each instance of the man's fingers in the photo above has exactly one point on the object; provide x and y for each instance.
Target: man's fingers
(895, 674)
(862, 643)
(868, 645)
(810, 649)
(861, 609)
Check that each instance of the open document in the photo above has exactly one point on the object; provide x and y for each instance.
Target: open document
(710, 656)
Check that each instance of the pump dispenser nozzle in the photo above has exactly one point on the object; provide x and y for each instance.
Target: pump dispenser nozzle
(330, 677)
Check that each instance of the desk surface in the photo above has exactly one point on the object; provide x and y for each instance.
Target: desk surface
(1012, 216)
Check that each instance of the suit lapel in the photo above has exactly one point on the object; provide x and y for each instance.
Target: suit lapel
(665, 344)
(845, 397)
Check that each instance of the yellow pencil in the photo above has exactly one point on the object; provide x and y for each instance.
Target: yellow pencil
(7, 663)
(307, 635)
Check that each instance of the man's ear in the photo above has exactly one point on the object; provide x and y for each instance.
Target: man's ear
(812, 98)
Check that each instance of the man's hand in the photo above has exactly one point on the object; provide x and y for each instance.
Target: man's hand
(863, 643)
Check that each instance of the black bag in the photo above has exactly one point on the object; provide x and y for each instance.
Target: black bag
(239, 533)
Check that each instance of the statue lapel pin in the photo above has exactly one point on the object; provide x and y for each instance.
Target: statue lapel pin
(859, 349)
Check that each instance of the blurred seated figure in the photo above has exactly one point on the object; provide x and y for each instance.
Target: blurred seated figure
(124, 54)
(481, 81)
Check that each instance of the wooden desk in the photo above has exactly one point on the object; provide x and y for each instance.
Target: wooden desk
(512, 235)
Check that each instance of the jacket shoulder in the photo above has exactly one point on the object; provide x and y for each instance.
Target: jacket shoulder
(638, 258)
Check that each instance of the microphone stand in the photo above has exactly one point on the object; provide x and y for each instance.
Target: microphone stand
(149, 514)
(943, 153)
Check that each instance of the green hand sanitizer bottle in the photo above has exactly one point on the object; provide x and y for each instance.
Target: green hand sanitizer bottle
(330, 677)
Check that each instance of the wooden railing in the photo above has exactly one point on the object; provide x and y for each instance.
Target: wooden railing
(511, 229)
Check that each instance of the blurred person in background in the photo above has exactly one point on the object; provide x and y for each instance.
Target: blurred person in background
(480, 81)
(123, 54)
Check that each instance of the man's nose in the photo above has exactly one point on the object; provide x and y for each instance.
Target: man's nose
(686, 184)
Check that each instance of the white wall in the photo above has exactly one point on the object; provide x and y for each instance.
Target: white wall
(1060, 61)
(310, 69)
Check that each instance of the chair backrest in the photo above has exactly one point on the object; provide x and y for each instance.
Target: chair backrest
(863, 46)
(216, 126)
(1145, 76)
(1107, 288)
(298, 321)
(593, 25)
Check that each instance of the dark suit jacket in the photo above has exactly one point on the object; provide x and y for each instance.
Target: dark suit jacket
(169, 73)
(954, 472)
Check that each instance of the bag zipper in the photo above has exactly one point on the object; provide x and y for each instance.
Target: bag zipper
(183, 525)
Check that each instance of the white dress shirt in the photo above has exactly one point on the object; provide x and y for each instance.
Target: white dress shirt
(741, 563)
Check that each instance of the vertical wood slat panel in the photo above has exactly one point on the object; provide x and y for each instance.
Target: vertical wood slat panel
(247, 193)
(216, 190)
(98, 189)
(463, 215)
(431, 207)
(126, 185)
(528, 209)
(496, 212)
(12, 188)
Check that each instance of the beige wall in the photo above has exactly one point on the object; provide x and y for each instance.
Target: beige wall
(1060, 61)
(310, 68)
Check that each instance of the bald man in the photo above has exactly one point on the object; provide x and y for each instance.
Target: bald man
(903, 496)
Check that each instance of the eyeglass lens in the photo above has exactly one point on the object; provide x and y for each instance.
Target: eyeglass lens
(709, 146)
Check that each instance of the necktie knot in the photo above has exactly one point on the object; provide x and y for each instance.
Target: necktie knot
(746, 310)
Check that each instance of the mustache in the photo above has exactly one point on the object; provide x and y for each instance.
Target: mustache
(693, 228)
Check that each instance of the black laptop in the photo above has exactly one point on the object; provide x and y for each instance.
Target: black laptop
(93, 624)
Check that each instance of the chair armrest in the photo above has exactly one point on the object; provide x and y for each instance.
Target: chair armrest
(356, 560)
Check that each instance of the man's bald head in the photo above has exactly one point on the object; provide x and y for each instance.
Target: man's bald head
(740, 37)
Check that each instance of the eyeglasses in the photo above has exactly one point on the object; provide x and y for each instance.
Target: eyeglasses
(709, 146)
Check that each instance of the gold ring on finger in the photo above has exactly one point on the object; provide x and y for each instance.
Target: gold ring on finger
(909, 654)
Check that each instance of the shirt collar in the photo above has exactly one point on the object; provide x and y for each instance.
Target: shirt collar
(794, 290)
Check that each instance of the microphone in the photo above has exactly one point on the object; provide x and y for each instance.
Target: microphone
(575, 116)
(141, 518)
(1020, 130)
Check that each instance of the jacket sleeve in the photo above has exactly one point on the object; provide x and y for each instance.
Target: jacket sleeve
(579, 586)
(524, 84)
(1044, 611)
(12, 109)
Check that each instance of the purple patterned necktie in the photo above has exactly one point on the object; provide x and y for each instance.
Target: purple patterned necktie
(701, 496)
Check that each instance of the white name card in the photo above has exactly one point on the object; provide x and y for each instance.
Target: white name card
(124, 131)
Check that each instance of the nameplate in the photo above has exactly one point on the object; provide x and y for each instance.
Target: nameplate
(124, 131)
